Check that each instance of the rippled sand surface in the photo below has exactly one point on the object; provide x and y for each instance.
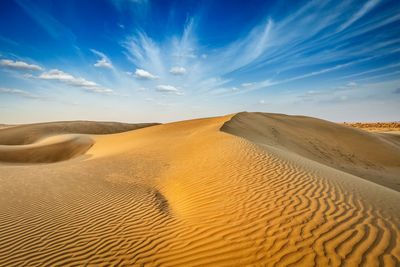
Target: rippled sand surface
(243, 189)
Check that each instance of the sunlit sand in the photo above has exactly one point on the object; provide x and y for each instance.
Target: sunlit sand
(242, 189)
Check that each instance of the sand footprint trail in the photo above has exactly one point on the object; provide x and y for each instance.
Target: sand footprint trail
(188, 194)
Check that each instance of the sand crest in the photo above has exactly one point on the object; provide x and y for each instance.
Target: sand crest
(29, 133)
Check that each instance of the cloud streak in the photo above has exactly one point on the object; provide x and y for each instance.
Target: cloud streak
(19, 93)
(68, 79)
(360, 13)
(166, 88)
(144, 75)
(52, 26)
(104, 62)
(144, 53)
(178, 71)
(19, 65)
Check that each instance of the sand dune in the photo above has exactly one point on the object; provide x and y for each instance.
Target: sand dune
(48, 142)
(30, 133)
(51, 149)
(3, 126)
(260, 191)
(375, 157)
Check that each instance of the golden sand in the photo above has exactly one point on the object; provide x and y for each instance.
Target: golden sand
(246, 189)
(371, 126)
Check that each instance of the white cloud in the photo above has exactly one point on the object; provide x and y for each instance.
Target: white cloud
(235, 89)
(18, 92)
(144, 53)
(145, 75)
(104, 62)
(262, 102)
(184, 55)
(55, 75)
(178, 70)
(19, 65)
(248, 84)
(219, 91)
(66, 78)
(351, 84)
(347, 86)
(166, 88)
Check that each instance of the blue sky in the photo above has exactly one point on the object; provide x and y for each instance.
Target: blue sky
(144, 60)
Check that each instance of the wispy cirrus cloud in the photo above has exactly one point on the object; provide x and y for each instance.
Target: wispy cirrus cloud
(19, 92)
(390, 66)
(19, 65)
(245, 51)
(361, 12)
(268, 83)
(68, 79)
(144, 53)
(248, 84)
(8, 41)
(183, 55)
(284, 50)
(49, 23)
(104, 62)
(166, 88)
(177, 70)
(121, 4)
(351, 84)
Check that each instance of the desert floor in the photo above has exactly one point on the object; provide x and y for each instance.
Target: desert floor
(243, 189)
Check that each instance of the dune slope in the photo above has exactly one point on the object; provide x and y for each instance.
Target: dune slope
(54, 141)
(48, 150)
(30, 133)
(372, 156)
(188, 194)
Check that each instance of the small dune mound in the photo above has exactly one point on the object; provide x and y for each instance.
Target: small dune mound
(369, 155)
(3, 126)
(49, 150)
(54, 141)
(30, 133)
